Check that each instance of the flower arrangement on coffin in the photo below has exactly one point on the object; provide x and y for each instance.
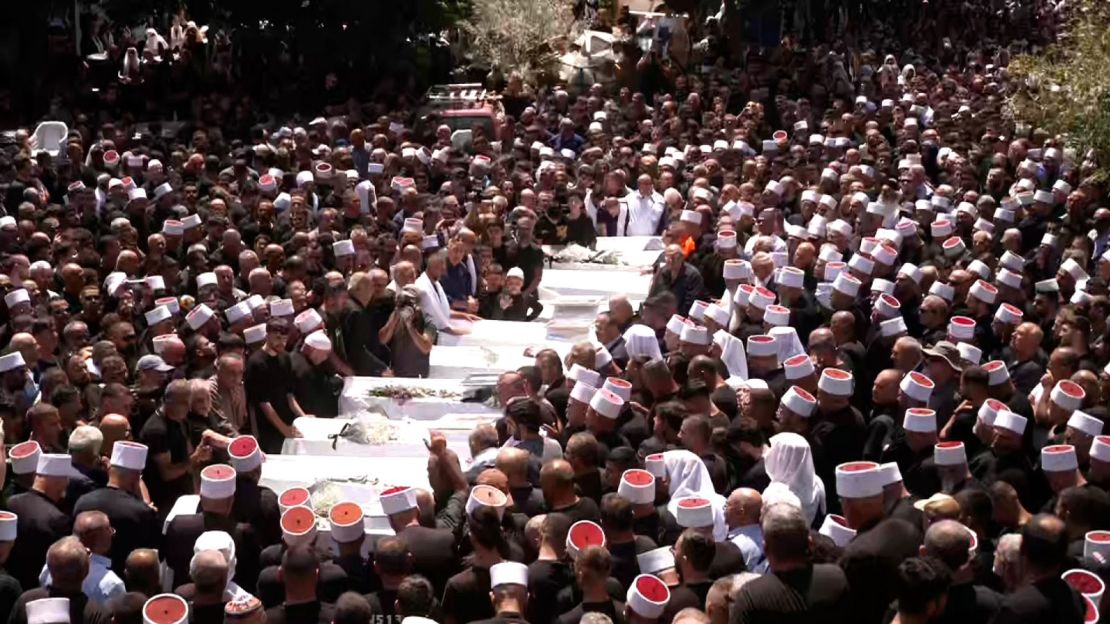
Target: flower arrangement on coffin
(364, 431)
(406, 393)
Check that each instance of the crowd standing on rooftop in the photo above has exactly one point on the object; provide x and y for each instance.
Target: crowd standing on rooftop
(869, 381)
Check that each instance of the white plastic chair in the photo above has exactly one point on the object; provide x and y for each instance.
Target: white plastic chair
(49, 137)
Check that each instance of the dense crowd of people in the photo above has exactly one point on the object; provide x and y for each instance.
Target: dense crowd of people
(869, 381)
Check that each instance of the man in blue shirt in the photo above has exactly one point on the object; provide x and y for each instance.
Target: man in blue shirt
(742, 511)
(95, 533)
(567, 138)
(457, 282)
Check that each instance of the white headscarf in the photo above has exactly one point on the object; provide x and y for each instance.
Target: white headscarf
(787, 341)
(688, 476)
(790, 462)
(732, 354)
(220, 541)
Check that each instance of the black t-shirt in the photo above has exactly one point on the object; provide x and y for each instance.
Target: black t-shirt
(162, 435)
(466, 596)
(551, 231)
(528, 259)
(584, 509)
(545, 580)
(268, 378)
(316, 387)
(304, 613)
(581, 231)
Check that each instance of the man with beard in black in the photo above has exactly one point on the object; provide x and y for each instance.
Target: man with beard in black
(316, 384)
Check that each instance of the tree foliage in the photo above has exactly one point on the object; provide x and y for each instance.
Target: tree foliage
(517, 34)
(1066, 88)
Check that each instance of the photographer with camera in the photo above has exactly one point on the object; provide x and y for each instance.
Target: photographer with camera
(409, 335)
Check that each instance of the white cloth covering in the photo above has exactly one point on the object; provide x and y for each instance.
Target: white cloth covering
(688, 476)
(790, 462)
(732, 354)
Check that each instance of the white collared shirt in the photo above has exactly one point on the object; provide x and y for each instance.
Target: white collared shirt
(433, 301)
(644, 213)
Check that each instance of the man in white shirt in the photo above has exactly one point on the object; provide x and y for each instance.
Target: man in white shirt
(645, 209)
(433, 301)
(94, 530)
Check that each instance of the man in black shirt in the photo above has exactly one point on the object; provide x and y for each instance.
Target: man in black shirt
(679, 277)
(950, 542)
(592, 566)
(527, 255)
(40, 520)
(208, 570)
(550, 573)
(171, 457)
(794, 589)
(254, 504)
(135, 523)
(299, 573)
(316, 386)
(580, 227)
(270, 388)
(508, 592)
(557, 483)
(1048, 598)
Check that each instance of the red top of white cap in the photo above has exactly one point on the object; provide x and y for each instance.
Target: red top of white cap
(638, 477)
(166, 609)
(584, 534)
(648, 596)
(298, 521)
(294, 497)
(242, 446)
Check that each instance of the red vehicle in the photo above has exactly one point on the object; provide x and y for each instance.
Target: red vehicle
(461, 107)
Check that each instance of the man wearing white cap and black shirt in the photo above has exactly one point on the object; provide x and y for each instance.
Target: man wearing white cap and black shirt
(41, 520)
(255, 504)
(910, 446)
(433, 549)
(1008, 460)
(135, 523)
(217, 493)
(508, 592)
(316, 384)
(872, 557)
(840, 434)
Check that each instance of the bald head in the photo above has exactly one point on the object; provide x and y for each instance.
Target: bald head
(493, 478)
(557, 473)
(843, 325)
(114, 427)
(743, 507)
(89, 521)
(209, 569)
(948, 541)
(514, 463)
